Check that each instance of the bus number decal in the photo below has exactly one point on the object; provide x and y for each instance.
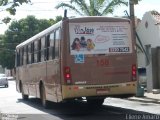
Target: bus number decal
(119, 49)
(102, 62)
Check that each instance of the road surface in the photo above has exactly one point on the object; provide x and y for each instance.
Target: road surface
(13, 107)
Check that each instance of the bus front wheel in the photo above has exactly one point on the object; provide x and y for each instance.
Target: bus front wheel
(45, 103)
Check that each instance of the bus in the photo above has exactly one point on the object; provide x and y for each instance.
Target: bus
(78, 58)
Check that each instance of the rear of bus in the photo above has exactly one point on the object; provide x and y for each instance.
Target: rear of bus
(99, 58)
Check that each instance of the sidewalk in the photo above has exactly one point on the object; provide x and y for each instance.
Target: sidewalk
(147, 98)
(152, 96)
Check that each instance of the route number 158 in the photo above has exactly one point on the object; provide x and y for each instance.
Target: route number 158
(102, 62)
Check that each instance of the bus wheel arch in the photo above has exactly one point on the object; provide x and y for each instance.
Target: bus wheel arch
(44, 101)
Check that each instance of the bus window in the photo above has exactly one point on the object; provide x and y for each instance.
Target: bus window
(17, 58)
(24, 56)
(47, 45)
(42, 49)
(39, 50)
(29, 53)
(57, 39)
(21, 56)
(51, 48)
(35, 51)
(32, 52)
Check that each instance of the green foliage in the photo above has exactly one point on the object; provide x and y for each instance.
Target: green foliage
(10, 6)
(18, 32)
(6, 20)
(58, 18)
(93, 7)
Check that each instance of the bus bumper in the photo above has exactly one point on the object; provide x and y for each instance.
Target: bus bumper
(120, 89)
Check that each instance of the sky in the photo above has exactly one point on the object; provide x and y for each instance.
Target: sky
(45, 9)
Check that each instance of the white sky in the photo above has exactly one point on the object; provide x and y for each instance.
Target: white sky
(46, 9)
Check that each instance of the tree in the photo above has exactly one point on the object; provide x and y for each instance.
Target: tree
(10, 6)
(58, 18)
(18, 32)
(93, 7)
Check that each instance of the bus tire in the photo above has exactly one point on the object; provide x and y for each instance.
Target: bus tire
(95, 102)
(24, 96)
(6, 85)
(45, 103)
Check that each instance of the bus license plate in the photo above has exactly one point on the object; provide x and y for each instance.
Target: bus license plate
(102, 91)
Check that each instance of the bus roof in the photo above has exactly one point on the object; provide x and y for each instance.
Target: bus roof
(98, 18)
(39, 35)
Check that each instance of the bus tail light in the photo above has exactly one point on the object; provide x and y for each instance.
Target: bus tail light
(134, 72)
(67, 75)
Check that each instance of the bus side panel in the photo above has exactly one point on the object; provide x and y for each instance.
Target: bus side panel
(53, 80)
(23, 77)
(35, 74)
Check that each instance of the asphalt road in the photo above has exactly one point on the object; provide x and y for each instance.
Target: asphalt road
(13, 107)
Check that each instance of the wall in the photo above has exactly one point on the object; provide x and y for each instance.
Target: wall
(149, 34)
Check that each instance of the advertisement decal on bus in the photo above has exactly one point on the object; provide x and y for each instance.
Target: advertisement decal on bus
(100, 38)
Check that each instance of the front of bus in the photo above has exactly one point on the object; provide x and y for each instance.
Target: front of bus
(100, 58)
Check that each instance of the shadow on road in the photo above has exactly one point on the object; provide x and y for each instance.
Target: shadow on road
(79, 110)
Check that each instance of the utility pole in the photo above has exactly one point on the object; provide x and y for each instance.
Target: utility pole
(132, 16)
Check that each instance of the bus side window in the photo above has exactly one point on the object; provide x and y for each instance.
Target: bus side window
(29, 53)
(43, 49)
(57, 42)
(39, 50)
(17, 58)
(32, 52)
(52, 46)
(47, 45)
(24, 56)
(35, 51)
(21, 56)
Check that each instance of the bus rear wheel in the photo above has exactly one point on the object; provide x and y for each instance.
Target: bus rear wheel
(6, 85)
(45, 103)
